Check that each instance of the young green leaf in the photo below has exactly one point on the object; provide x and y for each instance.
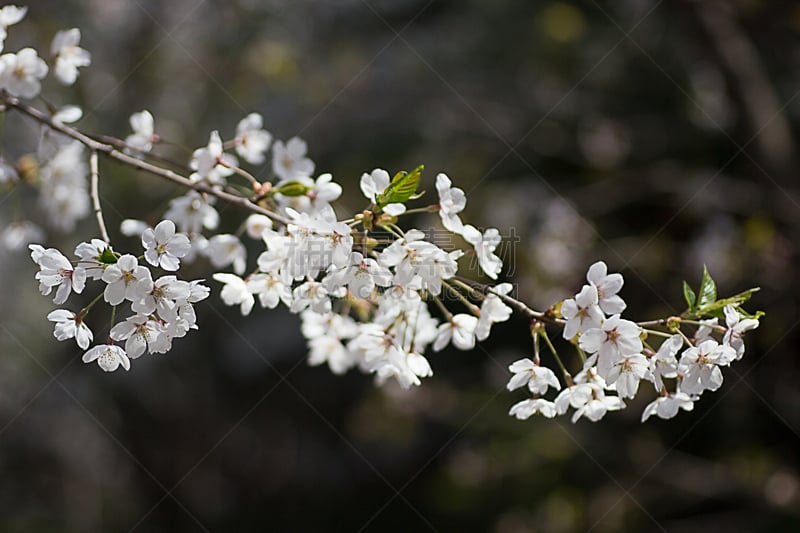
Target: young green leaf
(708, 290)
(402, 188)
(715, 308)
(107, 257)
(690, 296)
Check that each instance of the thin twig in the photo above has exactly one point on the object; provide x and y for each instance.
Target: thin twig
(113, 153)
(119, 143)
(513, 302)
(474, 309)
(98, 211)
(242, 172)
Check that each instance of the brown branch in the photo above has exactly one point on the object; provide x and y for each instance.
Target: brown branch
(98, 211)
(112, 152)
(119, 143)
(517, 305)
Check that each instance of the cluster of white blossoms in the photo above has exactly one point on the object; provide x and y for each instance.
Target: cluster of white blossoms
(160, 309)
(363, 285)
(616, 355)
(63, 171)
(372, 293)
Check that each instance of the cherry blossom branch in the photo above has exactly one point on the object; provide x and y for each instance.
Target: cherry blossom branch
(368, 310)
(119, 143)
(243, 173)
(112, 152)
(98, 210)
(517, 305)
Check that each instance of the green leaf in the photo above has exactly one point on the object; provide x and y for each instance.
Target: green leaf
(292, 188)
(708, 290)
(107, 257)
(690, 296)
(715, 308)
(402, 188)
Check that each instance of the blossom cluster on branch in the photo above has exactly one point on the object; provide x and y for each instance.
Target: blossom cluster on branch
(373, 291)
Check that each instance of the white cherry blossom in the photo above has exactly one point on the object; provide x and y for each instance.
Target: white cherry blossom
(50, 141)
(705, 330)
(667, 406)
(616, 338)
(18, 235)
(225, 249)
(493, 310)
(64, 188)
(10, 15)
(664, 364)
(138, 332)
(211, 164)
(598, 406)
(314, 244)
(485, 245)
(132, 227)
(589, 375)
(90, 253)
(55, 270)
(413, 257)
(460, 330)
(527, 408)
(582, 312)
(626, 374)
(608, 285)
(144, 135)
(197, 292)
(575, 396)
(163, 247)
(108, 356)
(330, 350)
(192, 212)
(235, 292)
(537, 378)
(8, 174)
(69, 56)
(452, 201)
(289, 160)
(403, 366)
(736, 329)
(270, 289)
(127, 280)
(20, 73)
(310, 294)
(362, 276)
(252, 140)
(163, 298)
(699, 366)
(68, 327)
(256, 224)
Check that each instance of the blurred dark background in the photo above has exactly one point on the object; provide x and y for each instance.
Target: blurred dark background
(655, 135)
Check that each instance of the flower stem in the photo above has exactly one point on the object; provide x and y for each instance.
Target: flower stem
(474, 309)
(658, 333)
(242, 172)
(540, 330)
(447, 314)
(85, 311)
